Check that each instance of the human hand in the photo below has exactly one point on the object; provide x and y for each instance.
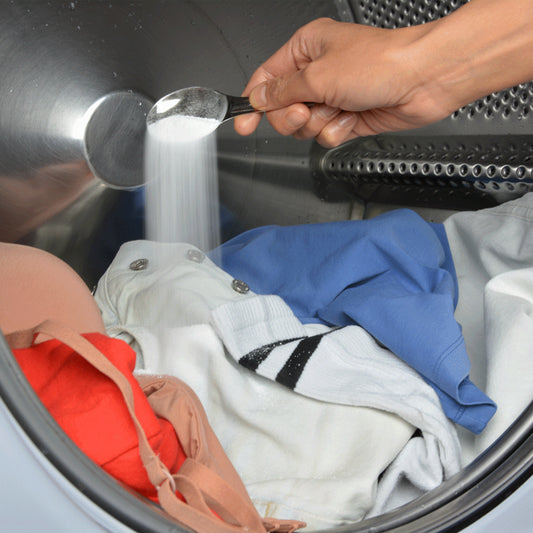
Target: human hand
(366, 80)
(362, 80)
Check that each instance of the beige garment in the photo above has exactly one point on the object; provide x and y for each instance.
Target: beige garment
(206, 479)
(35, 286)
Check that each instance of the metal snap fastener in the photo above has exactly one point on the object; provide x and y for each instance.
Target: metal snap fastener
(195, 255)
(139, 264)
(240, 286)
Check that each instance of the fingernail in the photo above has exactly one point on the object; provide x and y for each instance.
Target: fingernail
(336, 131)
(325, 111)
(346, 119)
(258, 97)
(295, 119)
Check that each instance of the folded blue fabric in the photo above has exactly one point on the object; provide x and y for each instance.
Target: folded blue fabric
(393, 275)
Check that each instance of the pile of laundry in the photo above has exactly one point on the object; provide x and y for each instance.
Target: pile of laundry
(327, 356)
(346, 367)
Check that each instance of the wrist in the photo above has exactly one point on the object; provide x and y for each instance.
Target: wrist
(483, 47)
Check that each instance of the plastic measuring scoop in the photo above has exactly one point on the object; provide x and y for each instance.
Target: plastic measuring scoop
(199, 102)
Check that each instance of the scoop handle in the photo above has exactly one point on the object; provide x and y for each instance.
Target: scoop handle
(238, 105)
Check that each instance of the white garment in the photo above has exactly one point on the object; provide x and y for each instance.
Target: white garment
(298, 457)
(494, 307)
(508, 327)
(348, 367)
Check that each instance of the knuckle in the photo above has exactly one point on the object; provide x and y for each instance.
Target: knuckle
(318, 24)
(276, 91)
(313, 80)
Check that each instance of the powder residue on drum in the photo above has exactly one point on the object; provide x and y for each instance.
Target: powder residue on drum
(182, 181)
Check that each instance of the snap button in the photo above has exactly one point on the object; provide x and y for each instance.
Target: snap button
(139, 264)
(195, 255)
(240, 286)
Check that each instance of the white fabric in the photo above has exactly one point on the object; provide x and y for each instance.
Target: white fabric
(348, 367)
(494, 307)
(509, 335)
(299, 457)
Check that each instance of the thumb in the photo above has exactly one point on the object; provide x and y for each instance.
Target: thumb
(281, 92)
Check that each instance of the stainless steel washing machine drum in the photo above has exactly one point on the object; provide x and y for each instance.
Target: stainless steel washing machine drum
(77, 79)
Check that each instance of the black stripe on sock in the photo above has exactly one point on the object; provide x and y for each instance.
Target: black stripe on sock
(253, 359)
(295, 364)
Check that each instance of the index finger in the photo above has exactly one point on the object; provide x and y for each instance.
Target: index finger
(281, 62)
(286, 60)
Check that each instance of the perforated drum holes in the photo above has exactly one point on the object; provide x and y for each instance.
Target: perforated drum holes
(515, 103)
(462, 165)
(400, 13)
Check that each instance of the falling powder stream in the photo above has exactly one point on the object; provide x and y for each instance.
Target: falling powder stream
(182, 181)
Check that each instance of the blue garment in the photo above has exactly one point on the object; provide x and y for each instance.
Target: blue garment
(393, 275)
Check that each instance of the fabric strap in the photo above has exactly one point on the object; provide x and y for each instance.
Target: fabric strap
(203, 489)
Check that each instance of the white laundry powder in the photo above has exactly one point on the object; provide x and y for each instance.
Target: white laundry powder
(182, 181)
(182, 128)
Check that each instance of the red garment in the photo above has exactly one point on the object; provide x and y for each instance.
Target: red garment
(91, 410)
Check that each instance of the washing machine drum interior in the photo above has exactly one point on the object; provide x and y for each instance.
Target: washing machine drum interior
(78, 79)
